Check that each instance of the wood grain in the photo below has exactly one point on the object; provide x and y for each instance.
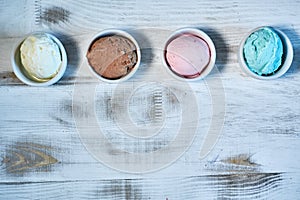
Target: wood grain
(234, 186)
(256, 156)
(26, 156)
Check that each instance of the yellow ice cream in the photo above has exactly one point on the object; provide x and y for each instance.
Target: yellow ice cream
(40, 56)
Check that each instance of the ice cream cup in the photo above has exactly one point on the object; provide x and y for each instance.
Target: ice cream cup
(122, 33)
(287, 56)
(21, 73)
(194, 32)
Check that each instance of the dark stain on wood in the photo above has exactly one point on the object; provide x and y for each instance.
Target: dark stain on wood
(62, 121)
(24, 157)
(247, 184)
(65, 107)
(107, 104)
(71, 108)
(108, 108)
(242, 159)
(52, 15)
(8, 77)
(80, 111)
(120, 189)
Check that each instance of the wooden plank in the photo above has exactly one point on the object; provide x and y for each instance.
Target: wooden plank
(55, 112)
(233, 186)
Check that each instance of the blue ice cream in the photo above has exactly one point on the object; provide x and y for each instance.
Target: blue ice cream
(263, 51)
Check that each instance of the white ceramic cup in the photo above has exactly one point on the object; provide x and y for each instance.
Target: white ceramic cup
(20, 72)
(287, 57)
(199, 33)
(110, 32)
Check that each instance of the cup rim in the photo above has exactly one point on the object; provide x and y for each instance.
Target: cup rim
(198, 32)
(287, 50)
(122, 33)
(19, 72)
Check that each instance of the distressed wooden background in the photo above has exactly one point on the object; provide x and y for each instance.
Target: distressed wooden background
(256, 156)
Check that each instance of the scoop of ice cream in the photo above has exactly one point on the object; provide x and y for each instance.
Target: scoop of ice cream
(40, 56)
(188, 55)
(263, 51)
(113, 56)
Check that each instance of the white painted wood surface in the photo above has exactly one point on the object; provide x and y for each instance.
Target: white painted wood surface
(256, 156)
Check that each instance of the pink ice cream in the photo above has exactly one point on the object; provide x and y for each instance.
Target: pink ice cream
(187, 55)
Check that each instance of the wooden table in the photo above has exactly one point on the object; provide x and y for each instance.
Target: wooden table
(42, 150)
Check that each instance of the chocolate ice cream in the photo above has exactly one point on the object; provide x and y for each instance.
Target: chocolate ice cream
(112, 57)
